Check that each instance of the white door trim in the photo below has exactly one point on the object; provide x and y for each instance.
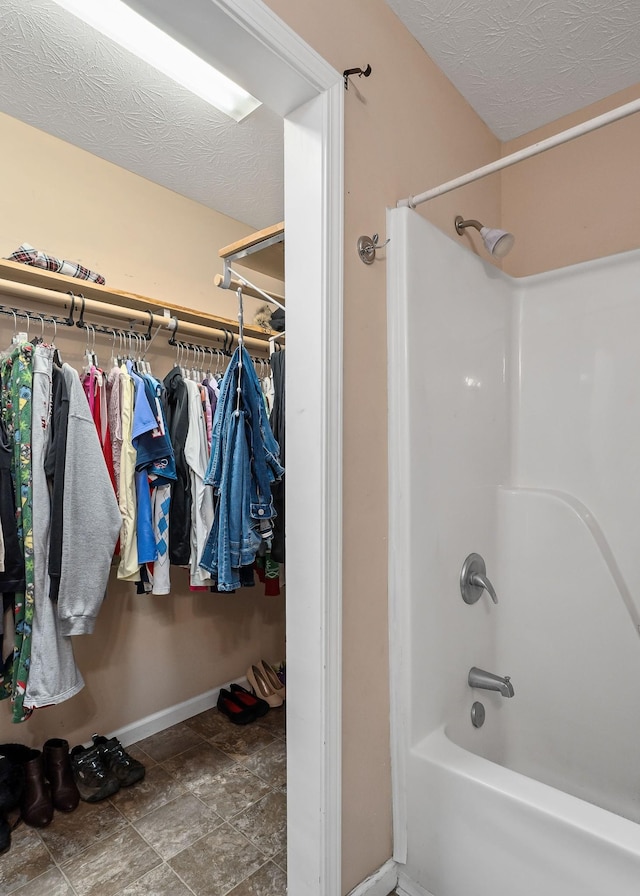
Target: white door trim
(314, 193)
(313, 143)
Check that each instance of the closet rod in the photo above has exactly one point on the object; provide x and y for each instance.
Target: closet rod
(118, 312)
(200, 332)
(91, 306)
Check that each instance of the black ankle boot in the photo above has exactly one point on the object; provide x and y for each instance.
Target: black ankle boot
(5, 835)
(11, 790)
(11, 777)
(59, 774)
(36, 807)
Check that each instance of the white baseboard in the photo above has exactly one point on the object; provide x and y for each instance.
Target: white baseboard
(407, 887)
(381, 883)
(165, 718)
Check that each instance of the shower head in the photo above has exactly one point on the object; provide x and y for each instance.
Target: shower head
(497, 242)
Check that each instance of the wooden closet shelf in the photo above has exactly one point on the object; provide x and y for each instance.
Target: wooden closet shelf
(261, 251)
(32, 276)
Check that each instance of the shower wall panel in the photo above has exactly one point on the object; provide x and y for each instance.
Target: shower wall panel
(578, 394)
(453, 414)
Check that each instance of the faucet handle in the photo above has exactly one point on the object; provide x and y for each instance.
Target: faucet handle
(483, 582)
(473, 580)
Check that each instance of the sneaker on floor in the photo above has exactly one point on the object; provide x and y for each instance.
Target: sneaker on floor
(126, 769)
(94, 779)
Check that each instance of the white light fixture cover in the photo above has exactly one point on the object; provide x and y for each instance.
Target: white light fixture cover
(136, 34)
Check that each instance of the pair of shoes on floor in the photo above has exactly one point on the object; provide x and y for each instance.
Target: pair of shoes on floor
(103, 768)
(241, 706)
(38, 781)
(264, 680)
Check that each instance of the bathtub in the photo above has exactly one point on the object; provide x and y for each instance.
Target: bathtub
(490, 831)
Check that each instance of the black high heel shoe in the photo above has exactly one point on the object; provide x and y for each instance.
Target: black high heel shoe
(234, 710)
(261, 707)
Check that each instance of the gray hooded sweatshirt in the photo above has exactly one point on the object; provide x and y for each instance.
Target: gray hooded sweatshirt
(91, 517)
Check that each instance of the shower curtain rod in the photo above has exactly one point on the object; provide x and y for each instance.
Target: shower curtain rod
(535, 149)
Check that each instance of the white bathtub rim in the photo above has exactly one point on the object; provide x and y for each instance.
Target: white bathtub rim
(558, 806)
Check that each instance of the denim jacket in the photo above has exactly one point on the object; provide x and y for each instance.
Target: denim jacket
(243, 464)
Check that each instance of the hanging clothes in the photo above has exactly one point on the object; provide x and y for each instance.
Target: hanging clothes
(16, 372)
(91, 518)
(53, 674)
(115, 423)
(210, 409)
(277, 421)
(160, 464)
(178, 425)
(196, 455)
(146, 439)
(129, 568)
(12, 578)
(96, 389)
(54, 471)
(161, 498)
(243, 464)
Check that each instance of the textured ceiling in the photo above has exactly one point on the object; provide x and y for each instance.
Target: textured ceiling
(519, 63)
(63, 77)
(523, 63)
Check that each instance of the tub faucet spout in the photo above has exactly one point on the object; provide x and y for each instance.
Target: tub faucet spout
(478, 678)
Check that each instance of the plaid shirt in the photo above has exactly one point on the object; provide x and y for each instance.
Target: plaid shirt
(26, 254)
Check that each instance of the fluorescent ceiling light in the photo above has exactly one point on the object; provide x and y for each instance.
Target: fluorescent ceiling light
(136, 34)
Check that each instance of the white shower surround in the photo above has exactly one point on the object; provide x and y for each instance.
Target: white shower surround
(515, 433)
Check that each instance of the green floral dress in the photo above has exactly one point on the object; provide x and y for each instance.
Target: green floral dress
(16, 372)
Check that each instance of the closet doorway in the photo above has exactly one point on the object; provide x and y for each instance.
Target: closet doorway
(256, 49)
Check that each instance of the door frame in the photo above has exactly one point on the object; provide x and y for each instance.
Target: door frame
(261, 52)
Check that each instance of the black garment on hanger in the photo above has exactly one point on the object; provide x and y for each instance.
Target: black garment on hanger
(277, 426)
(178, 425)
(54, 462)
(12, 579)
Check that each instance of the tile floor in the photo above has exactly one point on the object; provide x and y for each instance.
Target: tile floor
(209, 819)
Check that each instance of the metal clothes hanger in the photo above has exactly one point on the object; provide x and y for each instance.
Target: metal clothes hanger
(94, 356)
(112, 360)
(240, 348)
(19, 337)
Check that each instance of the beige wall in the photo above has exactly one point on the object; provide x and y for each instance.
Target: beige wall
(141, 237)
(406, 129)
(578, 201)
(147, 653)
(409, 130)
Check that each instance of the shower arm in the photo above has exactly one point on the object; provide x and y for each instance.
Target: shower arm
(460, 224)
